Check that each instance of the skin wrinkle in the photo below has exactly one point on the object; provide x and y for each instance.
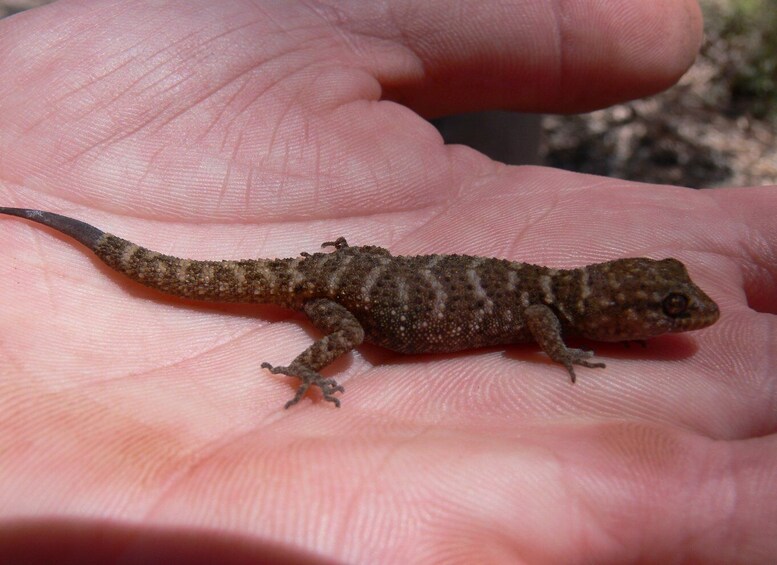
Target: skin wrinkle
(244, 87)
(225, 182)
(196, 460)
(202, 354)
(126, 134)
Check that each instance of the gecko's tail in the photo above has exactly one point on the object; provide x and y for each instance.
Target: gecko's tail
(78, 230)
(269, 281)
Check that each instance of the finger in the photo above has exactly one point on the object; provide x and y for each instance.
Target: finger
(533, 56)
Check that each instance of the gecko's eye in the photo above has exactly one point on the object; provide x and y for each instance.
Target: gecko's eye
(675, 305)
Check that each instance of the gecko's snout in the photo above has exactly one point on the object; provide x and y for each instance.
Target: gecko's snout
(694, 311)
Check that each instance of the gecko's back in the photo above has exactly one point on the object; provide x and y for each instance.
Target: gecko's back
(428, 303)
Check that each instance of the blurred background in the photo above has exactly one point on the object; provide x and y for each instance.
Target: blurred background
(715, 128)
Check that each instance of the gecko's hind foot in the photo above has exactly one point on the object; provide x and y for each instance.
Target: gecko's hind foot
(308, 378)
(579, 357)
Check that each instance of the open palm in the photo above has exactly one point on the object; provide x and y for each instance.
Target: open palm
(242, 129)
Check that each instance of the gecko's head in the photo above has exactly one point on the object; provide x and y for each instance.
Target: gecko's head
(640, 298)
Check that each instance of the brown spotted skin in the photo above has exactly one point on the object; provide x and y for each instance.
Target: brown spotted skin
(422, 304)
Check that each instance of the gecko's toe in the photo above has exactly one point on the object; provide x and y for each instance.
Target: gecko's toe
(332, 399)
(339, 243)
(590, 365)
(571, 371)
(580, 357)
(303, 388)
(328, 388)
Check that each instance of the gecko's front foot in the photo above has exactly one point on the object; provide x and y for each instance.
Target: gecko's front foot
(308, 378)
(578, 357)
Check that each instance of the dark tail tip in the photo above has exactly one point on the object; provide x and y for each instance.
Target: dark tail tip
(78, 230)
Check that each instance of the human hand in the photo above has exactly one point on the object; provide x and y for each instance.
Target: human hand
(235, 130)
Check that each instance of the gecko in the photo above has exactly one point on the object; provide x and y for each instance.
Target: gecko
(424, 303)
